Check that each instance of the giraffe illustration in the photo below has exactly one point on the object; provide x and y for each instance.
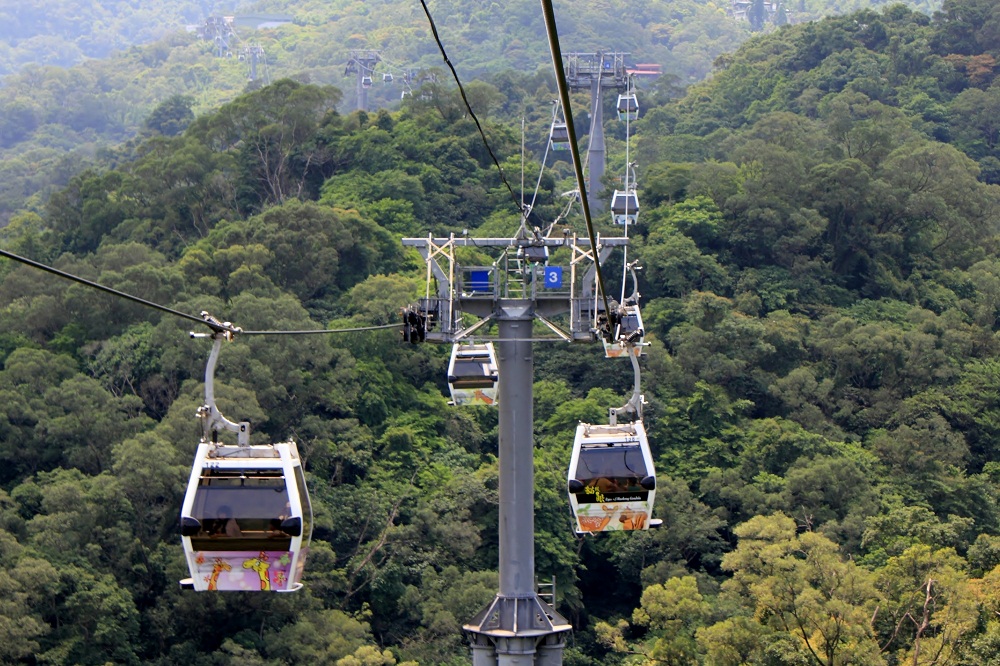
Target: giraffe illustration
(632, 520)
(479, 395)
(220, 566)
(260, 565)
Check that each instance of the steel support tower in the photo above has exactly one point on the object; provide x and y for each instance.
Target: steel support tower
(596, 72)
(519, 627)
(362, 64)
(253, 54)
(220, 30)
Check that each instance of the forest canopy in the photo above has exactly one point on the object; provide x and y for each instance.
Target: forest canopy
(821, 291)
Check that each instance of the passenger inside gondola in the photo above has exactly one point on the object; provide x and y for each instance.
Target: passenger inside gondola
(611, 470)
(225, 524)
(238, 508)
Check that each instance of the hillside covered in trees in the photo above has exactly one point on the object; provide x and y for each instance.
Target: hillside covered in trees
(83, 76)
(821, 288)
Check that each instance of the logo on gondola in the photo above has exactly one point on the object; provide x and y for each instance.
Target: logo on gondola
(553, 277)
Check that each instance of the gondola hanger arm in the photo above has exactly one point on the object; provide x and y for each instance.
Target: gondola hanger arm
(635, 403)
(212, 419)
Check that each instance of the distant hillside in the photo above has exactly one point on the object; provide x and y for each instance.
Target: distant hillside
(55, 114)
(820, 243)
(67, 32)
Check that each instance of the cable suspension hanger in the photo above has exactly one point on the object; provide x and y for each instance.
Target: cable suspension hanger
(628, 167)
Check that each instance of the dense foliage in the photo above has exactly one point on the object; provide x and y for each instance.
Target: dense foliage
(821, 286)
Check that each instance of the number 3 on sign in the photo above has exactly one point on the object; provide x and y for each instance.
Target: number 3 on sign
(553, 276)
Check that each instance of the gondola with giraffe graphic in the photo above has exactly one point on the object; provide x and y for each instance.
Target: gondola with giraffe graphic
(246, 520)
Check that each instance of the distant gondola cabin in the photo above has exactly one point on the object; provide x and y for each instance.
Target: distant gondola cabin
(628, 334)
(559, 136)
(628, 107)
(625, 207)
(473, 375)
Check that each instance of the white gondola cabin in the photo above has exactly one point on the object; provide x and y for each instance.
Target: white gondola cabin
(473, 375)
(611, 480)
(559, 136)
(628, 107)
(246, 521)
(625, 207)
(366, 82)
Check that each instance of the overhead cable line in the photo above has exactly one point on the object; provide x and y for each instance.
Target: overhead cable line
(114, 292)
(557, 64)
(357, 329)
(468, 106)
(216, 326)
(541, 170)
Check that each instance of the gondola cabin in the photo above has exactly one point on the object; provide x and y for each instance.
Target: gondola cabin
(473, 375)
(611, 481)
(366, 82)
(625, 207)
(559, 136)
(246, 521)
(628, 334)
(628, 107)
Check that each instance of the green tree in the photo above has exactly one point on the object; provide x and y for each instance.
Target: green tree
(171, 116)
(929, 609)
(273, 132)
(799, 584)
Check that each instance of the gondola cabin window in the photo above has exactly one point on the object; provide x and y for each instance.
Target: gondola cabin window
(473, 373)
(242, 510)
(610, 474)
(300, 485)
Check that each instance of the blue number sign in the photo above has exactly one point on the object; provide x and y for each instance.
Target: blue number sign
(553, 277)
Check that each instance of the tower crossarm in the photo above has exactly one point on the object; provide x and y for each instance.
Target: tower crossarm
(453, 289)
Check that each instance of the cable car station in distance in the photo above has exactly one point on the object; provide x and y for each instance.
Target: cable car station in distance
(522, 287)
